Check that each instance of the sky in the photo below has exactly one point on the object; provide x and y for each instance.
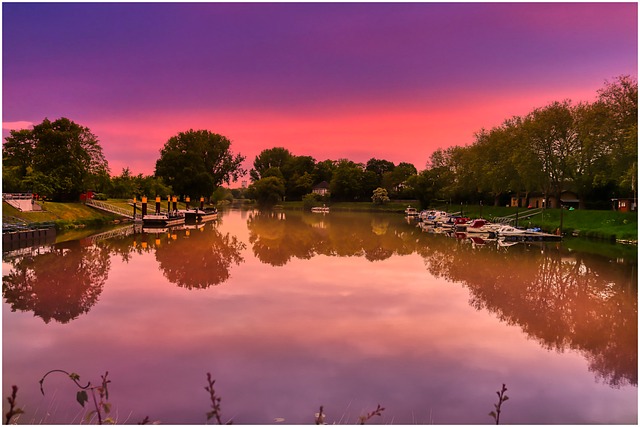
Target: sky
(329, 80)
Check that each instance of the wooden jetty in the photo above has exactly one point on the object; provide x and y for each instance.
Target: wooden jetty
(533, 236)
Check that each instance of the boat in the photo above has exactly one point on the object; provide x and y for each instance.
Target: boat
(320, 209)
(411, 211)
(200, 215)
(433, 217)
(452, 221)
(478, 226)
(507, 230)
(162, 220)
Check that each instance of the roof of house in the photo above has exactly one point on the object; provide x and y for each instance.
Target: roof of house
(323, 184)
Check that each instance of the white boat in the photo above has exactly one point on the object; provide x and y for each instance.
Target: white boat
(433, 217)
(507, 230)
(162, 220)
(318, 209)
(411, 211)
(481, 226)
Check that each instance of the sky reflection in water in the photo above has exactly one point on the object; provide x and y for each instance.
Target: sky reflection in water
(292, 311)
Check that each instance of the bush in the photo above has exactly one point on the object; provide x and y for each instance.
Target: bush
(311, 200)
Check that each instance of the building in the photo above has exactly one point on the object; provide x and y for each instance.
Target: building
(322, 188)
(624, 204)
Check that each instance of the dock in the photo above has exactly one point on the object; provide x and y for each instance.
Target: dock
(532, 237)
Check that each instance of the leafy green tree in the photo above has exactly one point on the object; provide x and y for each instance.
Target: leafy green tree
(346, 183)
(59, 157)
(380, 196)
(621, 100)
(311, 200)
(267, 191)
(425, 186)
(324, 170)
(195, 163)
(271, 158)
(552, 140)
(591, 156)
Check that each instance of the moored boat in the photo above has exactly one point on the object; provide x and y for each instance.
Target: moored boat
(411, 211)
(200, 215)
(320, 209)
(162, 220)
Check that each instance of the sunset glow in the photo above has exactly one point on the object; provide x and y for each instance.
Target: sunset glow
(329, 80)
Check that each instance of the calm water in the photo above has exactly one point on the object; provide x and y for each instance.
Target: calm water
(292, 311)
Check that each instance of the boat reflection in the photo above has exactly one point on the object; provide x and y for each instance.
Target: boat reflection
(63, 281)
(563, 300)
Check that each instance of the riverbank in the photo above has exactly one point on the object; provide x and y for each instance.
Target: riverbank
(608, 225)
(62, 216)
(594, 224)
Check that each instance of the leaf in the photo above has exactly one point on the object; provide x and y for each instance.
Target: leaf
(107, 407)
(82, 397)
(505, 398)
(493, 414)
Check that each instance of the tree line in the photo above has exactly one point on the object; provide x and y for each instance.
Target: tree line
(588, 148)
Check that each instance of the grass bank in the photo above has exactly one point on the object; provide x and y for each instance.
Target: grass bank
(607, 225)
(64, 216)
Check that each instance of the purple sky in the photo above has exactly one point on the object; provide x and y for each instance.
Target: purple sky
(391, 81)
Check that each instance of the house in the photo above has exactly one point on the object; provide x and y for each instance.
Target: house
(624, 204)
(322, 188)
(537, 200)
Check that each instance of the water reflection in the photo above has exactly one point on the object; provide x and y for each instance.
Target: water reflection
(60, 282)
(198, 260)
(277, 237)
(562, 300)
(192, 256)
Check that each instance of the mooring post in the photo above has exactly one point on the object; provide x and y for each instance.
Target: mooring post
(134, 207)
(157, 205)
(144, 206)
(174, 199)
(201, 203)
(187, 200)
(168, 203)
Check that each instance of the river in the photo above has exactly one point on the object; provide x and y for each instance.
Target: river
(290, 312)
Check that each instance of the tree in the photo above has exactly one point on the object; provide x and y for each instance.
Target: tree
(195, 163)
(267, 191)
(60, 158)
(271, 158)
(552, 140)
(621, 99)
(380, 196)
(346, 183)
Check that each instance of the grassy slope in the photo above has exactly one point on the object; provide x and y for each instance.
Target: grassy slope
(63, 214)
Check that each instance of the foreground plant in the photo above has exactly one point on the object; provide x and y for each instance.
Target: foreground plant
(376, 412)
(13, 411)
(101, 404)
(215, 401)
(502, 397)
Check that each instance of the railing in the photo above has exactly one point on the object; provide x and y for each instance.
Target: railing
(111, 208)
(122, 231)
(520, 215)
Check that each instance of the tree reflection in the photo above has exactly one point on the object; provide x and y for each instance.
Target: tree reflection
(563, 301)
(60, 283)
(278, 237)
(197, 259)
